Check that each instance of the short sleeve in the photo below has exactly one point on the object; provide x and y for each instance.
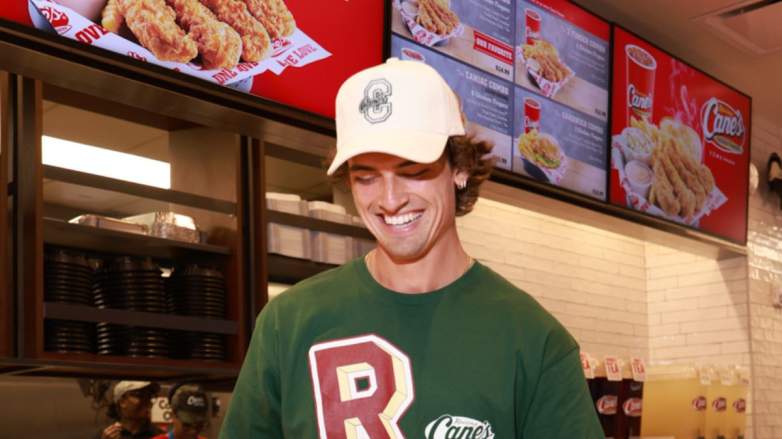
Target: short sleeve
(561, 406)
(254, 410)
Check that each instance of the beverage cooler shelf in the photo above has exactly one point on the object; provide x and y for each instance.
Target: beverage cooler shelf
(83, 313)
(140, 190)
(65, 234)
(287, 270)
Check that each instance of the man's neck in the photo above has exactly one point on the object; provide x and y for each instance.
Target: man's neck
(443, 264)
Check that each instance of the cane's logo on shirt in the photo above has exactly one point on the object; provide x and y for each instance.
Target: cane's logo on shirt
(447, 426)
(363, 385)
(376, 106)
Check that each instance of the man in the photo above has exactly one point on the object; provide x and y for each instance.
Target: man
(131, 408)
(416, 339)
(190, 407)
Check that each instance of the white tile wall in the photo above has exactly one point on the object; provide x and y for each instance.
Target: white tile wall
(765, 270)
(592, 280)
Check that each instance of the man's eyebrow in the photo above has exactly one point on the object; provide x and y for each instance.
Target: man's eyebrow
(406, 164)
(357, 167)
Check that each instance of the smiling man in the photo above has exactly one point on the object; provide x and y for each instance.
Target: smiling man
(416, 339)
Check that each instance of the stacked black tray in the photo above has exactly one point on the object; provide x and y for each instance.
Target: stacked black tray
(199, 292)
(68, 277)
(65, 336)
(136, 285)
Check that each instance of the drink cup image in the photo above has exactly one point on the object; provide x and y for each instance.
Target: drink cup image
(641, 69)
(531, 114)
(531, 26)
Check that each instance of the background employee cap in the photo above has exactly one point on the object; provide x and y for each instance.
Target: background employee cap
(124, 387)
(403, 108)
(190, 404)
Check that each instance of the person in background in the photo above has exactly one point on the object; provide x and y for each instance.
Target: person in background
(191, 407)
(131, 408)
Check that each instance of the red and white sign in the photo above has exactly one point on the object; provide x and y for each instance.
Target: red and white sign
(740, 405)
(688, 136)
(638, 369)
(587, 365)
(719, 404)
(613, 367)
(633, 407)
(607, 405)
(700, 404)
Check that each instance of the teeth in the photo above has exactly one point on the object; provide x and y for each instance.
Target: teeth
(401, 220)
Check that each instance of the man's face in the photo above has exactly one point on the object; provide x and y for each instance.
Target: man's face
(406, 205)
(136, 405)
(183, 430)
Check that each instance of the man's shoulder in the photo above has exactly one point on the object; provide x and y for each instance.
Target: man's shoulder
(505, 300)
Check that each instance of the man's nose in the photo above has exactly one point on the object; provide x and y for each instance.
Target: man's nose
(394, 196)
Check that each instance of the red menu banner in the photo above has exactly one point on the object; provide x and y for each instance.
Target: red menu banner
(680, 141)
(289, 51)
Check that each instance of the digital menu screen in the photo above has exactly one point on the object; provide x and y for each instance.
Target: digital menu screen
(562, 74)
(536, 89)
(680, 141)
(289, 51)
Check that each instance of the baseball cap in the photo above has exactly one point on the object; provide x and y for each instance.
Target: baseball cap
(190, 404)
(402, 108)
(124, 387)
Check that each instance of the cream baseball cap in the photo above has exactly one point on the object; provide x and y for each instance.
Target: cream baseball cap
(123, 387)
(402, 108)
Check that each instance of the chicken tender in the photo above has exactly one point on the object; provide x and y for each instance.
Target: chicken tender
(274, 15)
(154, 25)
(219, 45)
(437, 18)
(256, 43)
(663, 190)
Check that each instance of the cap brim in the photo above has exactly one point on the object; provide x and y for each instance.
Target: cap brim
(414, 146)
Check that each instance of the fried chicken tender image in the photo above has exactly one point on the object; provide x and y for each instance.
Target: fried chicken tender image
(436, 17)
(681, 185)
(111, 19)
(662, 191)
(219, 45)
(256, 43)
(547, 56)
(154, 25)
(274, 15)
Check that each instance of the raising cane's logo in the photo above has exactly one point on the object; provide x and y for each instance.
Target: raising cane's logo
(279, 46)
(447, 426)
(607, 405)
(720, 404)
(58, 19)
(723, 126)
(639, 102)
(633, 407)
(699, 403)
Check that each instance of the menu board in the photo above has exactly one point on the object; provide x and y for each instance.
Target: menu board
(543, 127)
(680, 141)
(562, 72)
(288, 51)
(487, 101)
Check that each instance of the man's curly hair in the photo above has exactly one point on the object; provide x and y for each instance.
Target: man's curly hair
(464, 153)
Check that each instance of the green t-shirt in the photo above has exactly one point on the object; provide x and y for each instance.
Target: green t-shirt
(340, 356)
